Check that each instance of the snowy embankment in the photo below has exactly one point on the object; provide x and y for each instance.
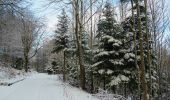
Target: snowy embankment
(104, 95)
(9, 76)
(43, 87)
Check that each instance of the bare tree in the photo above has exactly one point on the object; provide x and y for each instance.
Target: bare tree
(29, 32)
(142, 64)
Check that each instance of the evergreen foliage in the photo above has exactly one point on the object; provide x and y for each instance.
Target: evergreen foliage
(127, 25)
(109, 59)
(61, 39)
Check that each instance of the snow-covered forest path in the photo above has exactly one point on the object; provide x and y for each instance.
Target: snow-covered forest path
(42, 87)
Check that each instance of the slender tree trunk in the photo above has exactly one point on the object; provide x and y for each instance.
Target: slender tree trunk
(142, 64)
(26, 61)
(148, 51)
(121, 11)
(136, 64)
(125, 94)
(78, 32)
(104, 82)
(154, 16)
(64, 66)
(159, 71)
(91, 44)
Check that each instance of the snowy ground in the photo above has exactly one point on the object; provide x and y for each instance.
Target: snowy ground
(42, 87)
(10, 75)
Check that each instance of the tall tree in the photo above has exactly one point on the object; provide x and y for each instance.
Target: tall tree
(78, 7)
(91, 42)
(132, 24)
(61, 40)
(110, 60)
(29, 32)
(142, 64)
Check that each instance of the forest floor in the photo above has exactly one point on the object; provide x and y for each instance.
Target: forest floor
(40, 86)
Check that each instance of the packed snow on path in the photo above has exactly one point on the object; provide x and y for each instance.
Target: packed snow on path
(42, 87)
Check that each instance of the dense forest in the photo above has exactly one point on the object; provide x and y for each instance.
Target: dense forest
(117, 46)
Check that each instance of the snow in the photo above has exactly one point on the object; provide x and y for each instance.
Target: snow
(138, 57)
(116, 44)
(124, 50)
(115, 81)
(109, 72)
(124, 78)
(103, 53)
(12, 80)
(153, 78)
(128, 55)
(126, 71)
(130, 60)
(107, 37)
(111, 52)
(117, 62)
(8, 72)
(49, 68)
(10, 75)
(129, 34)
(97, 64)
(110, 40)
(103, 17)
(42, 87)
(105, 95)
(101, 71)
(147, 75)
(119, 79)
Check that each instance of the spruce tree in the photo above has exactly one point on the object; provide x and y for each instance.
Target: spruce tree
(109, 59)
(61, 39)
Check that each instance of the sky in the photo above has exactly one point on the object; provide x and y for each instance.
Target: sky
(46, 13)
(41, 9)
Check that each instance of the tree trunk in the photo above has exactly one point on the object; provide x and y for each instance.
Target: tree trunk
(104, 82)
(26, 61)
(64, 66)
(148, 51)
(91, 44)
(136, 64)
(78, 32)
(142, 64)
(121, 11)
(125, 89)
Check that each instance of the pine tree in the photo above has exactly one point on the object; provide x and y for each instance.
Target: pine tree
(61, 40)
(55, 67)
(109, 58)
